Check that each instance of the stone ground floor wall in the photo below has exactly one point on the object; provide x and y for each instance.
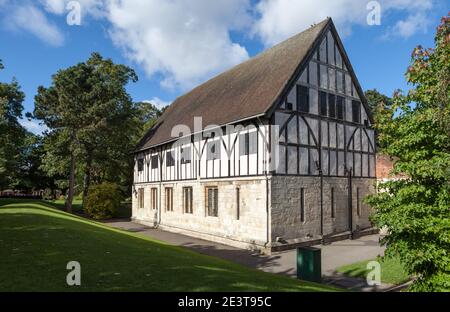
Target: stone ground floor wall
(249, 231)
(286, 223)
(255, 229)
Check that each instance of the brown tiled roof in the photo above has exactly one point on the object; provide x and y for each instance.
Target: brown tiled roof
(246, 90)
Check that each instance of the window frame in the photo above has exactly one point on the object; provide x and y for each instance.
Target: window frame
(154, 198)
(302, 204)
(323, 103)
(214, 210)
(141, 195)
(170, 160)
(188, 205)
(331, 105)
(152, 161)
(238, 203)
(183, 152)
(210, 155)
(340, 107)
(140, 164)
(169, 199)
(356, 112)
(303, 94)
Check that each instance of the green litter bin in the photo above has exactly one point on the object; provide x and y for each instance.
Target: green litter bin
(309, 264)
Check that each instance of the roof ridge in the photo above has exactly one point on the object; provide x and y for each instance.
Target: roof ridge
(240, 92)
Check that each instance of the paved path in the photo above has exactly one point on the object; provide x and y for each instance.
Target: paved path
(334, 255)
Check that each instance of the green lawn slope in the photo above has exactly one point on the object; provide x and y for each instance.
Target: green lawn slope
(37, 241)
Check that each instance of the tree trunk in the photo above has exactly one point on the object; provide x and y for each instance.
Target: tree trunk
(69, 199)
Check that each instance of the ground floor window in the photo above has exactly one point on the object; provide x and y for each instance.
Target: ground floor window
(212, 201)
(169, 199)
(302, 205)
(187, 199)
(154, 194)
(332, 203)
(141, 198)
(238, 203)
(358, 205)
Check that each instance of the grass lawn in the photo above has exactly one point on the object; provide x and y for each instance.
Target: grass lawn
(37, 241)
(391, 271)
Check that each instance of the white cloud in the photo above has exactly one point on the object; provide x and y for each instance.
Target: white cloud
(54, 6)
(186, 41)
(33, 126)
(88, 7)
(408, 27)
(31, 19)
(280, 19)
(158, 102)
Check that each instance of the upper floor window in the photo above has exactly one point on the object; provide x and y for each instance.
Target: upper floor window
(247, 143)
(331, 105)
(213, 150)
(356, 111)
(302, 99)
(340, 107)
(185, 155)
(154, 161)
(323, 107)
(170, 161)
(140, 164)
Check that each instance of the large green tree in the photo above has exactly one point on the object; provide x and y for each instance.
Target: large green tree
(415, 130)
(13, 135)
(91, 120)
(375, 98)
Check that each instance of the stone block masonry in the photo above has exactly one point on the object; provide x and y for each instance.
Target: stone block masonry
(246, 228)
(260, 213)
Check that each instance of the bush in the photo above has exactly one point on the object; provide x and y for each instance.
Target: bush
(103, 201)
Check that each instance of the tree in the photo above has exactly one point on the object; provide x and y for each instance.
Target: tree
(13, 134)
(415, 130)
(375, 99)
(90, 117)
(31, 163)
(147, 115)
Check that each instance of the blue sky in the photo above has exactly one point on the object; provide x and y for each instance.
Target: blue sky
(174, 45)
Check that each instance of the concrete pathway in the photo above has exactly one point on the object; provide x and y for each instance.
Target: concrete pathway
(334, 255)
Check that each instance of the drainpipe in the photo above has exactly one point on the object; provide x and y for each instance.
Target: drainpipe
(268, 239)
(321, 204)
(160, 192)
(350, 202)
(267, 211)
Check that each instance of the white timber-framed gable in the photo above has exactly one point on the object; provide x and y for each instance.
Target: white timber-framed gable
(292, 172)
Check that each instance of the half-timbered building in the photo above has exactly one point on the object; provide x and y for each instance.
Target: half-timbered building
(275, 152)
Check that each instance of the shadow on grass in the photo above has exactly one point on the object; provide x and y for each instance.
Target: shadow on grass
(38, 241)
(243, 257)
